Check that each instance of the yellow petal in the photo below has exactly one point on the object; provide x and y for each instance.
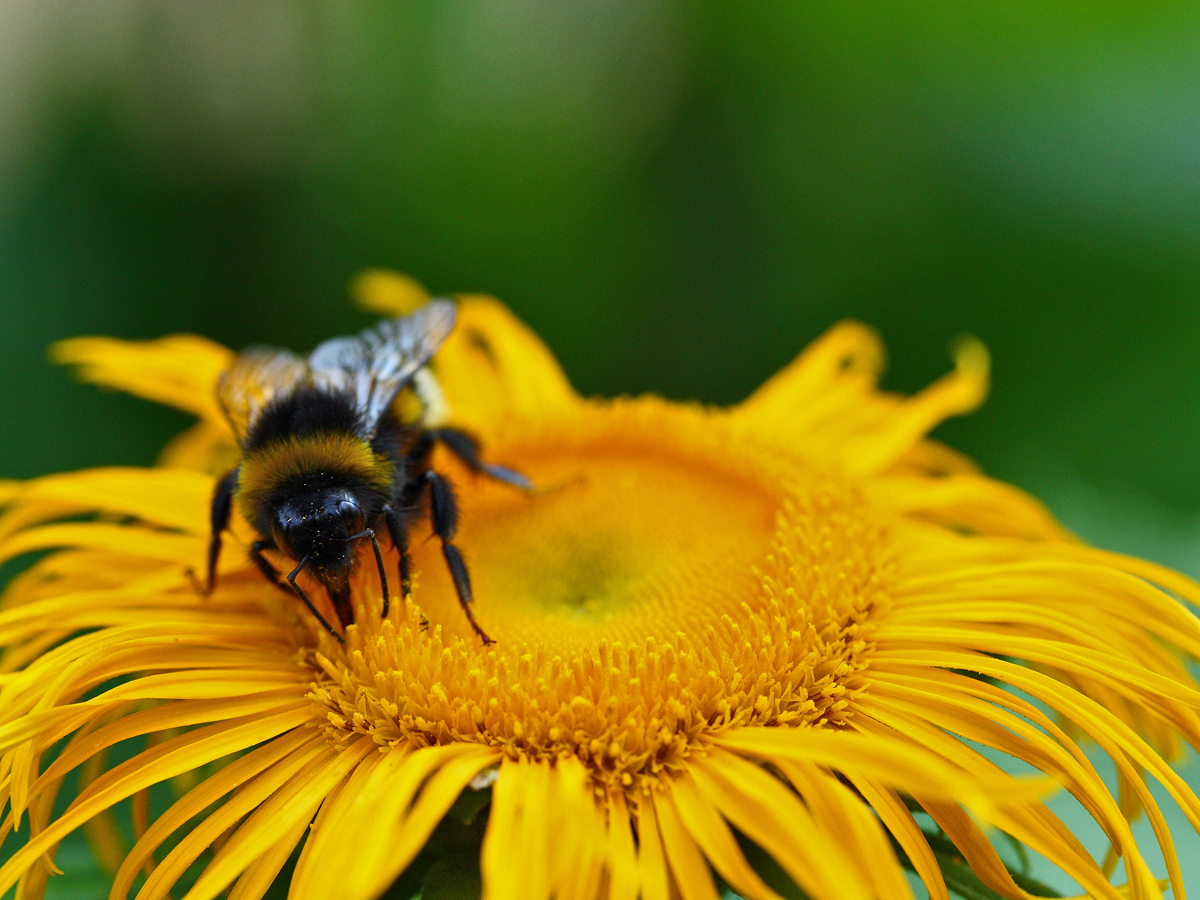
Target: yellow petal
(518, 828)
(174, 548)
(706, 827)
(495, 372)
(180, 370)
(688, 869)
(777, 820)
(962, 391)
(205, 447)
(848, 354)
(103, 834)
(893, 813)
(623, 868)
(279, 817)
(170, 498)
(975, 847)
(258, 774)
(203, 746)
(409, 836)
(838, 811)
(373, 815)
(578, 833)
(652, 863)
(971, 502)
(258, 877)
(388, 293)
(904, 767)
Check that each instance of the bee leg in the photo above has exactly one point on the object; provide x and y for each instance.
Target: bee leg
(399, 535)
(272, 575)
(444, 515)
(370, 533)
(465, 448)
(222, 506)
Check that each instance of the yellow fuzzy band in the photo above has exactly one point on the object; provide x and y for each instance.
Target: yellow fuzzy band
(266, 468)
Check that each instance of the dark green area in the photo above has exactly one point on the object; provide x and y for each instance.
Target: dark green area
(677, 196)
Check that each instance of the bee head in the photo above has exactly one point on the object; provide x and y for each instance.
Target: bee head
(322, 525)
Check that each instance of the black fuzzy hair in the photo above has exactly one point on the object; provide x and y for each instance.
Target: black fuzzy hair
(305, 412)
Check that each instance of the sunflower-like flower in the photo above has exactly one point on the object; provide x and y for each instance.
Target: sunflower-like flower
(782, 642)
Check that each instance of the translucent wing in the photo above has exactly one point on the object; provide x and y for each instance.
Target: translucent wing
(376, 364)
(256, 378)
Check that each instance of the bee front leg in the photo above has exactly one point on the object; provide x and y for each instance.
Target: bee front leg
(264, 565)
(289, 584)
(222, 507)
(383, 584)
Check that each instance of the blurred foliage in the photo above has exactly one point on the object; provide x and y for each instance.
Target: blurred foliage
(677, 196)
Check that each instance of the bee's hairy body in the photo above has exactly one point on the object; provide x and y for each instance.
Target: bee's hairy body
(327, 459)
(310, 483)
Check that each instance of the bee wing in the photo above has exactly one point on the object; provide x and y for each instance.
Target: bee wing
(376, 364)
(257, 377)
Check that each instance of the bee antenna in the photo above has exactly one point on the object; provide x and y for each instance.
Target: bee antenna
(370, 533)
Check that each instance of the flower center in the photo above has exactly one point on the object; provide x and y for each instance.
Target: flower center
(665, 581)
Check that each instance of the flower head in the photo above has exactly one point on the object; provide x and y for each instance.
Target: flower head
(721, 633)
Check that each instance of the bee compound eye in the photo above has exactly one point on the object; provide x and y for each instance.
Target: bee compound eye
(352, 516)
(282, 534)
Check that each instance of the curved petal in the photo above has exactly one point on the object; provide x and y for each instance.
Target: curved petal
(252, 779)
(712, 835)
(203, 746)
(172, 498)
(278, 818)
(962, 391)
(493, 369)
(849, 355)
(827, 403)
(775, 818)
(180, 370)
(388, 293)
(257, 878)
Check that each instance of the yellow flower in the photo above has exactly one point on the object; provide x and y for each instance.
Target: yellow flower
(773, 628)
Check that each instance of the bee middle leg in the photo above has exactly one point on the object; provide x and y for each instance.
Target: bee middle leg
(443, 514)
(399, 535)
(466, 449)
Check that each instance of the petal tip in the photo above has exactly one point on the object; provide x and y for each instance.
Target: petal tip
(387, 292)
(972, 368)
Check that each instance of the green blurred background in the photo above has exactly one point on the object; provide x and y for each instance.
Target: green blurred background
(677, 196)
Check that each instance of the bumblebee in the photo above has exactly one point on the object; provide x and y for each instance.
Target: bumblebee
(329, 461)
